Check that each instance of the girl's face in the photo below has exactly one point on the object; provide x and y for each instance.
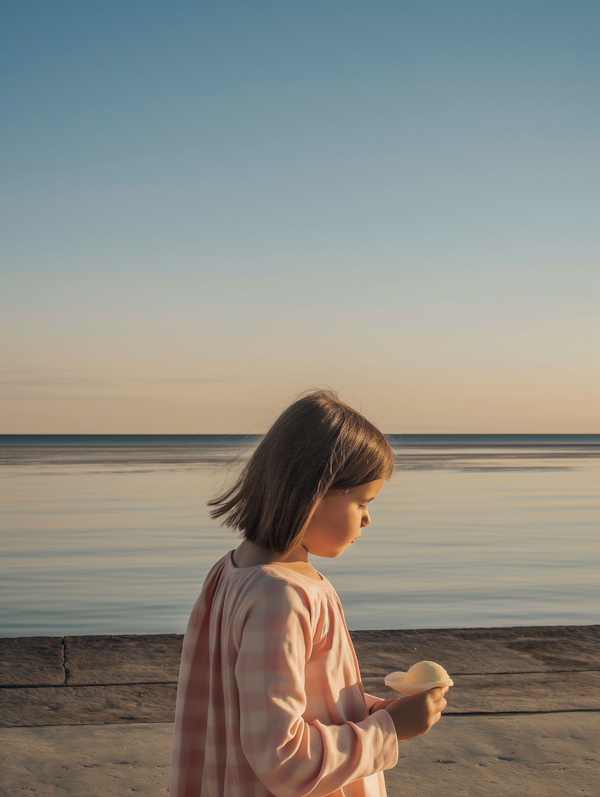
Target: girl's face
(338, 519)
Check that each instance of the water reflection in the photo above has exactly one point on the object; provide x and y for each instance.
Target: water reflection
(120, 542)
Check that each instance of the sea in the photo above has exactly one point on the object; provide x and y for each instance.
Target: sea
(110, 534)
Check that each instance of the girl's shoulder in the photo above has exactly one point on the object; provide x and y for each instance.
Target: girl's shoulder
(266, 589)
(266, 597)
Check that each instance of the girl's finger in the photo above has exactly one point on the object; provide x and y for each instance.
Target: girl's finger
(440, 704)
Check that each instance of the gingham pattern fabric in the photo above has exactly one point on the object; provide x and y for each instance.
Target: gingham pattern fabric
(270, 700)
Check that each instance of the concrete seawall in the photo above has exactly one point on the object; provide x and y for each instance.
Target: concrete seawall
(93, 714)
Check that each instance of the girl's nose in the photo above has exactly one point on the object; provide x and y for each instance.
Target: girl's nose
(366, 521)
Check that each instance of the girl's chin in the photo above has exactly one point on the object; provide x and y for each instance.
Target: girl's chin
(332, 553)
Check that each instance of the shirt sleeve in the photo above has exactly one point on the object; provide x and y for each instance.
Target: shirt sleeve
(290, 756)
(370, 701)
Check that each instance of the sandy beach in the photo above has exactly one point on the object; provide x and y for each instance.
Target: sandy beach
(92, 715)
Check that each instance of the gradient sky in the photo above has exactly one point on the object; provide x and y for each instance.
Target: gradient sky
(207, 208)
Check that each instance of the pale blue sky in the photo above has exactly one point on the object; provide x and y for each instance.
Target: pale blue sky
(207, 208)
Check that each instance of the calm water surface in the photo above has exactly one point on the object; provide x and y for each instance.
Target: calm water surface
(112, 535)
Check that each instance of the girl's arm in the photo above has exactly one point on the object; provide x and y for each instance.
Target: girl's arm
(290, 756)
(378, 704)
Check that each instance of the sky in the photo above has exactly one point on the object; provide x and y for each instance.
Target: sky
(208, 208)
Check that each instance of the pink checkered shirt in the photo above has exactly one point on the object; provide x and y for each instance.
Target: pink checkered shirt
(270, 700)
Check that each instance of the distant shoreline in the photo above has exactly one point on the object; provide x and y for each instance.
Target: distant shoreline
(411, 451)
(398, 439)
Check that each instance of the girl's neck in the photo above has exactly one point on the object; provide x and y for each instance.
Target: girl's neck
(248, 554)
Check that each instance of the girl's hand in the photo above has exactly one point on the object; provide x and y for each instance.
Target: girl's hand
(415, 715)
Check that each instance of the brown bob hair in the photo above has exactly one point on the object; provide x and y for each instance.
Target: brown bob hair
(317, 444)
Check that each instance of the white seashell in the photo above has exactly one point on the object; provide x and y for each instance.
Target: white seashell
(420, 677)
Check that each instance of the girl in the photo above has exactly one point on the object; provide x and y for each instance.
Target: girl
(270, 700)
